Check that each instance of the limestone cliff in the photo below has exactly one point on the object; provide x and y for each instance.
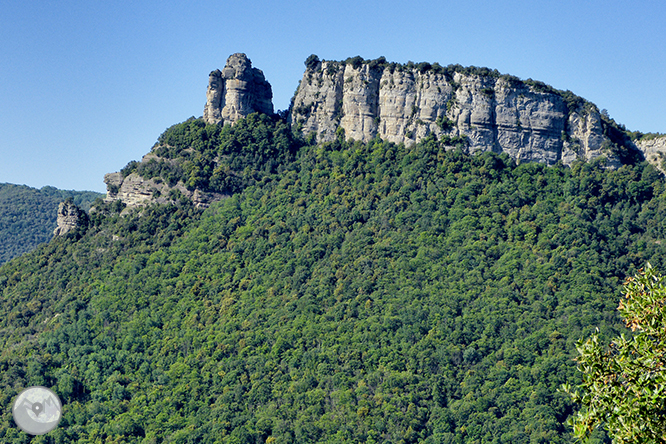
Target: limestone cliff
(135, 191)
(474, 108)
(406, 103)
(654, 149)
(236, 91)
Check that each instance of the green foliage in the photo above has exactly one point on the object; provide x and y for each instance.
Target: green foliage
(129, 168)
(637, 135)
(488, 92)
(457, 142)
(165, 170)
(28, 215)
(574, 102)
(355, 62)
(423, 67)
(312, 62)
(217, 158)
(624, 385)
(355, 293)
(539, 86)
(621, 140)
(378, 62)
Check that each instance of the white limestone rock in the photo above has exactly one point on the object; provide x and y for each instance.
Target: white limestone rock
(405, 104)
(236, 91)
(135, 191)
(654, 150)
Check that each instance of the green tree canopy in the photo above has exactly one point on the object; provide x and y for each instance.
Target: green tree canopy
(345, 292)
(624, 384)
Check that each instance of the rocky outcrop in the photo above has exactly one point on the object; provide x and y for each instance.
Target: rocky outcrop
(654, 150)
(236, 91)
(233, 93)
(70, 217)
(406, 103)
(136, 191)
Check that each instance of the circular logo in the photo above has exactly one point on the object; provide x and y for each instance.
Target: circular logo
(37, 410)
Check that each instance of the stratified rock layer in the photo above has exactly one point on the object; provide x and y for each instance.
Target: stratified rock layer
(236, 91)
(528, 120)
(404, 104)
(136, 191)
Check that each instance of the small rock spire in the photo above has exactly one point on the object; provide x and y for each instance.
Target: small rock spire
(70, 217)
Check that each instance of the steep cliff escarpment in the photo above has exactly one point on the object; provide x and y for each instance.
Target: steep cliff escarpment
(476, 109)
(237, 91)
(406, 103)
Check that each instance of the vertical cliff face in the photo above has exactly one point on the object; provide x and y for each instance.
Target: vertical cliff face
(410, 104)
(236, 91)
(654, 149)
(502, 115)
(406, 103)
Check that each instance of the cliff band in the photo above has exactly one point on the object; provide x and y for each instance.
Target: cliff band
(475, 109)
(406, 103)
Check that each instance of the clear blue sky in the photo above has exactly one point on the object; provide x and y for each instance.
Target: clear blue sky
(87, 85)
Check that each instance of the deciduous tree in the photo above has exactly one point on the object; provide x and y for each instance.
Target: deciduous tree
(624, 384)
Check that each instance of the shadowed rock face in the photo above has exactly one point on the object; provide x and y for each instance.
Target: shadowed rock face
(406, 104)
(236, 91)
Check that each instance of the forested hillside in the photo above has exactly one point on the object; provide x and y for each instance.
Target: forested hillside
(28, 215)
(347, 292)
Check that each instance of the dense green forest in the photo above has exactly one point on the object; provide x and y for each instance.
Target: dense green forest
(28, 215)
(220, 158)
(345, 293)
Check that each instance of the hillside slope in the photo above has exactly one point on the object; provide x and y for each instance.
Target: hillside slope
(350, 292)
(28, 215)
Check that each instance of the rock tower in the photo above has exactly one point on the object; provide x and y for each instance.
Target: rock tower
(236, 91)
